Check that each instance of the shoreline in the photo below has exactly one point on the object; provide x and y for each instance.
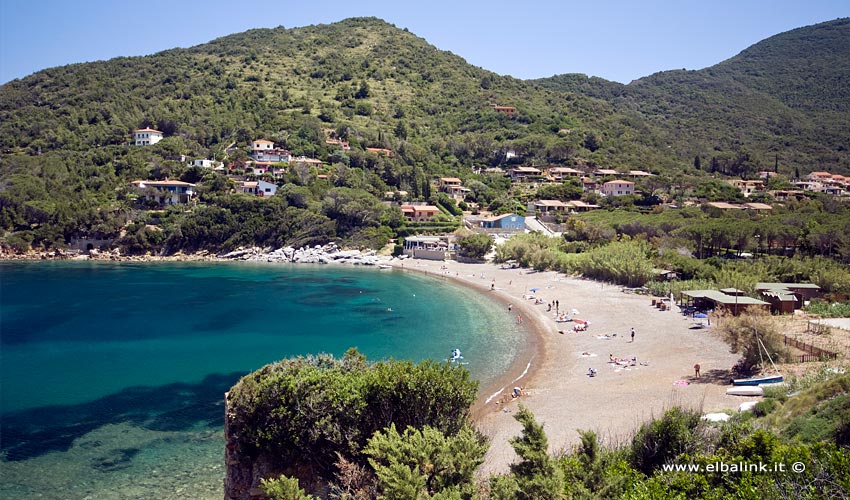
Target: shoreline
(528, 360)
(556, 387)
(552, 367)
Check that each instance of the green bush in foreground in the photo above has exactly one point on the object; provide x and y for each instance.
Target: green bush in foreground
(345, 449)
(308, 412)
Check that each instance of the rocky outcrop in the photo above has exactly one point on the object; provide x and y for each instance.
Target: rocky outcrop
(242, 478)
(319, 254)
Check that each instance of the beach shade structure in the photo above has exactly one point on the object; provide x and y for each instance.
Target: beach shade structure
(533, 289)
(700, 316)
(574, 312)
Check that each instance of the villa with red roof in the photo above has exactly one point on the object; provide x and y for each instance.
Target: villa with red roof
(419, 213)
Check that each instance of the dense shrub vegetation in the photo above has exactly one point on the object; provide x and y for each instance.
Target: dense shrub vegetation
(352, 424)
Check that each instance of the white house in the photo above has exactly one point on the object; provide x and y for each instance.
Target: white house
(204, 163)
(259, 188)
(261, 144)
(147, 136)
(618, 188)
(165, 192)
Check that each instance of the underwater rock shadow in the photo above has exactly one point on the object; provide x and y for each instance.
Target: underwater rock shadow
(172, 407)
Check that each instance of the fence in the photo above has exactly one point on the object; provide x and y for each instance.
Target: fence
(813, 353)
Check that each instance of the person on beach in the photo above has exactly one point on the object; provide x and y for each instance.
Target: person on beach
(519, 319)
(510, 307)
(633, 334)
(696, 370)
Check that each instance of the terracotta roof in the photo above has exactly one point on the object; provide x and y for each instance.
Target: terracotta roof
(723, 205)
(263, 141)
(420, 208)
(380, 150)
(450, 179)
(550, 203)
(148, 130)
(581, 204)
(759, 206)
(619, 182)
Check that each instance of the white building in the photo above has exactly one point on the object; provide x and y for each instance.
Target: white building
(165, 192)
(259, 188)
(147, 136)
(202, 163)
(618, 188)
(261, 144)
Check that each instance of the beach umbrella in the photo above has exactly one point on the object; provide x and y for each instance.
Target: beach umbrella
(534, 289)
(700, 316)
(574, 312)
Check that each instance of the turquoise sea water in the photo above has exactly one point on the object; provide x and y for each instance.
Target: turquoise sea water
(112, 375)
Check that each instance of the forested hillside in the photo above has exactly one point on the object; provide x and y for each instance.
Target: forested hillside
(66, 153)
(786, 97)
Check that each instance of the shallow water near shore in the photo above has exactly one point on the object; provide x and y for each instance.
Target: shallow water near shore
(113, 374)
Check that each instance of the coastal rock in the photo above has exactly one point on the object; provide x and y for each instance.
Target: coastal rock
(318, 254)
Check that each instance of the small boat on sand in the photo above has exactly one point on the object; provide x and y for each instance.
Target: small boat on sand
(764, 379)
(745, 390)
(384, 266)
(774, 378)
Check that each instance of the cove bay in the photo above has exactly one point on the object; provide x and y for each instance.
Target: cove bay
(140, 354)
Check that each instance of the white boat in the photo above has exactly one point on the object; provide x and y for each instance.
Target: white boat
(745, 390)
(384, 266)
(456, 356)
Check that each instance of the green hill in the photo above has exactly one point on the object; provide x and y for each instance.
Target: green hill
(65, 132)
(788, 95)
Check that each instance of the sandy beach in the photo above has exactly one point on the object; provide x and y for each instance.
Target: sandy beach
(557, 388)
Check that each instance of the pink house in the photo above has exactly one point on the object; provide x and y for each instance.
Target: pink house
(618, 188)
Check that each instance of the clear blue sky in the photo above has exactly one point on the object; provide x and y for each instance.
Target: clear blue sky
(615, 40)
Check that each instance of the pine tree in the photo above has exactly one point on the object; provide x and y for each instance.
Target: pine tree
(696, 162)
(537, 475)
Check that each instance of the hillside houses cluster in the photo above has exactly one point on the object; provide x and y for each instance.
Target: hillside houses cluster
(271, 163)
(815, 182)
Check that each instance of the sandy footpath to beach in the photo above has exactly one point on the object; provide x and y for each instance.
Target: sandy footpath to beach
(557, 389)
